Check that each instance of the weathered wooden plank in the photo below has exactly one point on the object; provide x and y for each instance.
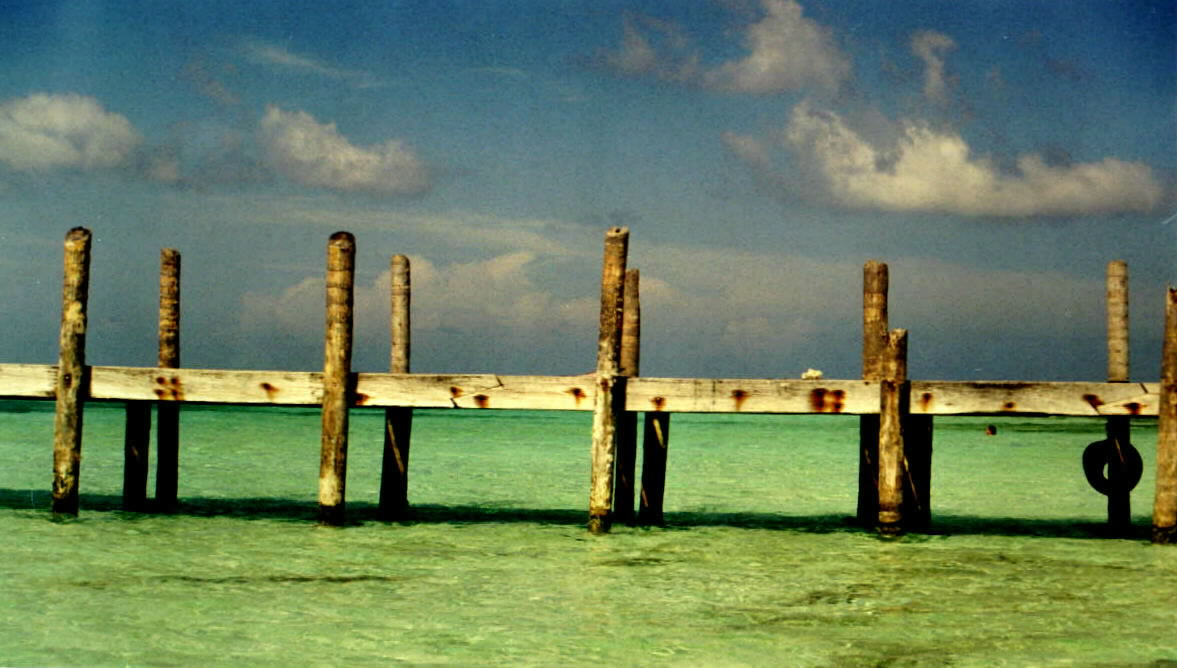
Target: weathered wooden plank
(1012, 397)
(677, 395)
(751, 395)
(28, 381)
(229, 386)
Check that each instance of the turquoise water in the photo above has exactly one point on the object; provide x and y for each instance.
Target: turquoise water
(758, 564)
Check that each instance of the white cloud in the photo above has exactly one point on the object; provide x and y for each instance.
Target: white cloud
(934, 171)
(276, 56)
(497, 297)
(787, 51)
(42, 132)
(931, 46)
(315, 154)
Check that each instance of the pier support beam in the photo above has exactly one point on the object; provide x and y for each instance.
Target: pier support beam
(894, 403)
(398, 420)
(627, 421)
(71, 374)
(341, 251)
(1164, 514)
(875, 283)
(167, 412)
(1119, 427)
(655, 445)
(608, 400)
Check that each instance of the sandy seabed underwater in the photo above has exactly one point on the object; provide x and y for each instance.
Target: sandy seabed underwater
(759, 563)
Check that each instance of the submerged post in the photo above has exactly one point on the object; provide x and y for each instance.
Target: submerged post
(875, 283)
(340, 281)
(627, 421)
(136, 440)
(71, 373)
(1164, 514)
(655, 442)
(894, 395)
(610, 388)
(398, 420)
(167, 444)
(1119, 427)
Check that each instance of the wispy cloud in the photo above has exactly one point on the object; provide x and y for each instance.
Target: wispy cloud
(931, 46)
(785, 51)
(272, 55)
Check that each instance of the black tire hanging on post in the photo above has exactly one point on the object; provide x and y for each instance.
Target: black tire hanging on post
(1099, 454)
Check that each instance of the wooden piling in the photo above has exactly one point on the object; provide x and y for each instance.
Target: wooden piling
(167, 445)
(1164, 516)
(655, 444)
(398, 420)
(1118, 427)
(610, 386)
(136, 442)
(627, 421)
(875, 284)
(340, 282)
(71, 374)
(894, 402)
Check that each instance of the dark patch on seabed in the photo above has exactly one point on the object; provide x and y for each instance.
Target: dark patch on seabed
(247, 580)
(302, 511)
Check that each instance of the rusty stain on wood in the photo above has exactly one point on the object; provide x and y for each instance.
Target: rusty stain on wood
(455, 392)
(577, 394)
(270, 391)
(1008, 406)
(482, 400)
(361, 398)
(822, 400)
(739, 397)
(1133, 407)
(170, 389)
(659, 403)
(926, 400)
(1094, 401)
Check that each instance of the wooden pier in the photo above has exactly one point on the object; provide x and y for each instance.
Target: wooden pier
(896, 412)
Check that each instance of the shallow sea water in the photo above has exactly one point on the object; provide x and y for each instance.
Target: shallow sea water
(758, 564)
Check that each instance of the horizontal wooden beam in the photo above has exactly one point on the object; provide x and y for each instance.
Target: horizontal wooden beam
(672, 395)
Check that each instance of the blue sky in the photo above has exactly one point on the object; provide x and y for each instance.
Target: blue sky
(995, 154)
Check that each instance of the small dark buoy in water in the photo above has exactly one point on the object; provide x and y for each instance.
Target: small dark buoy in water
(991, 430)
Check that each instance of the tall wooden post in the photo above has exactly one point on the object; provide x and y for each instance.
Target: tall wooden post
(71, 374)
(341, 250)
(1119, 427)
(610, 387)
(875, 283)
(398, 420)
(627, 421)
(167, 445)
(1164, 514)
(894, 402)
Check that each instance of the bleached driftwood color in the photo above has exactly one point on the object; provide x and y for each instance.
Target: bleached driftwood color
(1164, 518)
(893, 405)
(341, 251)
(70, 379)
(608, 383)
(672, 395)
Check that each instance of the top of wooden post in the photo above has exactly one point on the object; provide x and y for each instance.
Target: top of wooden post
(875, 283)
(1117, 312)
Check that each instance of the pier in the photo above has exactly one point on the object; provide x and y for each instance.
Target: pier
(896, 412)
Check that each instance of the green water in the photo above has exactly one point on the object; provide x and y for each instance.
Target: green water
(758, 565)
